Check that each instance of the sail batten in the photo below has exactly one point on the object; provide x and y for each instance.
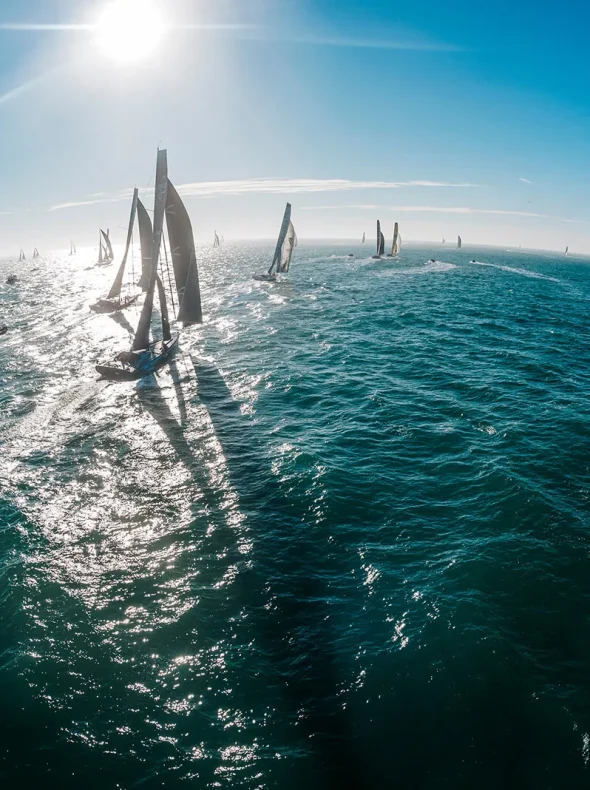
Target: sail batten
(142, 336)
(184, 259)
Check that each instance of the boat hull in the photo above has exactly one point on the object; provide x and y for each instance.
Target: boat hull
(265, 278)
(377, 257)
(112, 306)
(162, 353)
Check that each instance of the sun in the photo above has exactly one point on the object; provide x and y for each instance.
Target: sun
(129, 30)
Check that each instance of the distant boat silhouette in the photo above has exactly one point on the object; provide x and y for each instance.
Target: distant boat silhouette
(380, 241)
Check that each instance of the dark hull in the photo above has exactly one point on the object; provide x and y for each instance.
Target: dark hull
(112, 306)
(3, 329)
(163, 353)
(376, 257)
(265, 278)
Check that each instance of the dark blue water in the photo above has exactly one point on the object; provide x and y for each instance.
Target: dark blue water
(342, 543)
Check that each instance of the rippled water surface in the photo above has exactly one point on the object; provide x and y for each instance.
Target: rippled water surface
(342, 542)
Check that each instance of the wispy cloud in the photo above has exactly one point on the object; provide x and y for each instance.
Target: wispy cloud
(525, 180)
(366, 43)
(443, 210)
(280, 186)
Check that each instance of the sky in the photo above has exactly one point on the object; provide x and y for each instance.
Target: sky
(452, 117)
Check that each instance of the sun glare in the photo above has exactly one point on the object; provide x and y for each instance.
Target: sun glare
(129, 30)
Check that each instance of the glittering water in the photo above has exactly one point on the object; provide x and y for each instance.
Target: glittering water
(343, 542)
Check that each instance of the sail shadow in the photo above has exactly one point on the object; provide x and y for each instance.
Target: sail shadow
(290, 569)
(120, 319)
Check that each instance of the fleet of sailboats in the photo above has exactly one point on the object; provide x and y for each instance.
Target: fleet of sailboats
(148, 355)
(286, 243)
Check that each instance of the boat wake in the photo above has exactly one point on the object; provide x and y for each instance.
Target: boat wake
(514, 270)
(432, 267)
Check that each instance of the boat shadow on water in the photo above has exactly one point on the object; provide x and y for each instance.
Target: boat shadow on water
(284, 592)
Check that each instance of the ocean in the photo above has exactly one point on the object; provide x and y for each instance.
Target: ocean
(342, 542)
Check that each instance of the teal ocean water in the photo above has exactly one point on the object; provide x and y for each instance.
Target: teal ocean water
(341, 543)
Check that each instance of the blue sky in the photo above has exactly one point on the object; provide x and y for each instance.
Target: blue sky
(451, 116)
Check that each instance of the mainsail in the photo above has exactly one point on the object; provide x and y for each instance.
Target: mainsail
(566, 250)
(363, 237)
(145, 240)
(35, 253)
(116, 287)
(72, 248)
(288, 247)
(459, 242)
(216, 240)
(109, 255)
(278, 256)
(142, 336)
(395, 245)
(380, 240)
(184, 259)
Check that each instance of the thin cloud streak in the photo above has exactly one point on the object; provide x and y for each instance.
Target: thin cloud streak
(18, 91)
(525, 180)
(277, 186)
(360, 43)
(445, 210)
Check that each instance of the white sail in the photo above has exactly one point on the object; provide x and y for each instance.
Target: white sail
(288, 246)
(363, 237)
(399, 244)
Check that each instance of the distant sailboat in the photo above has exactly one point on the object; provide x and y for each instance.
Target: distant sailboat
(105, 250)
(396, 244)
(222, 239)
(459, 242)
(146, 358)
(380, 242)
(113, 301)
(72, 248)
(286, 243)
(567, 249)
(36, 253)
(216, 242)
(444, 241)
(22, 256)
(363, 237)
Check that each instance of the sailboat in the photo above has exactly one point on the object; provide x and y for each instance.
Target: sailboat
(444, 241)
(36, 253)
(396, 244)
(146, 358)
(22, 256)
(363, 237)
(286, 243)
(216, 242)
(105, 250)
(459, 242)
(567, 249)
(380, 242)
(113, 301)
(72, 248)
